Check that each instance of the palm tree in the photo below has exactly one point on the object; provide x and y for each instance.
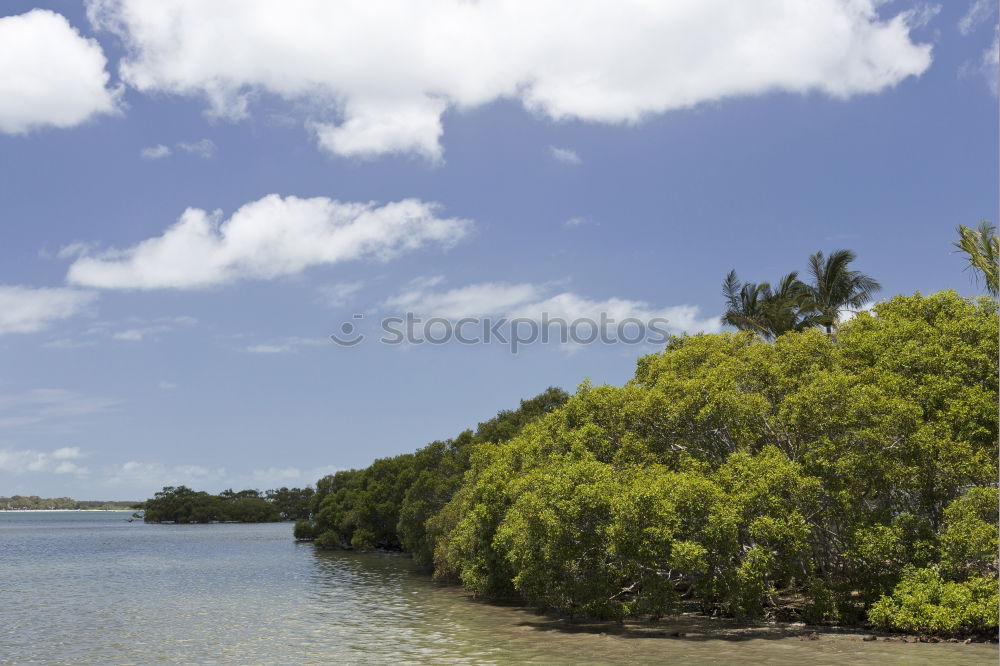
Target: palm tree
(790, 307)
(982, 250)
(745, 304)
(835, 288)
(765, 310)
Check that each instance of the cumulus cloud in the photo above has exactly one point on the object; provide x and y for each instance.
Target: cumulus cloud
(565, 155)
(60, 461)
(157, 152)
(29, 309)
(475, 300)
(376, 77)
(574, 222)
(268, 238)
(529, 301)
(137, 479)
(203, 148)
(143, 478)
(49, 74)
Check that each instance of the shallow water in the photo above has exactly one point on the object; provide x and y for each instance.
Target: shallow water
(90, 587)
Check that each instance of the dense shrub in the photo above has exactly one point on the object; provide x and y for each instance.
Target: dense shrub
(824, 475)
(926, 603)
(388, 504)
(180, 504)
(304, 530)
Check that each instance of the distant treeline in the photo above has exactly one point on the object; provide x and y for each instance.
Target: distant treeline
(36, 503)
(180, 504)
(846, 477)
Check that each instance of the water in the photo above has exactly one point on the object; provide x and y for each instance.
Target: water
(92, 588)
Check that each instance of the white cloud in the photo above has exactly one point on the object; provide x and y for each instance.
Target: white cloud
(574, 222)
(67, 453)
(21, 461)
(68, 343)
(531, 302)
(268, 349)
(475, 300)
(921, 15)
(151, 476)
(847, 315)
(268, 238)
(397, 126)
(286, 346)
(130, 329)
(166, 386)
(979, 11)
(74, 250)
(340, 294)
(990, 62)
(376, 77)
(570, 306)
(38, 406)
(565, 155)
(49, 74)
(203, 148)
(29, 309)
(144, 478)
(155, 152)
(146, 329)
(139, 479)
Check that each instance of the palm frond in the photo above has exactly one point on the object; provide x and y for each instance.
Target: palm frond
(982, 252)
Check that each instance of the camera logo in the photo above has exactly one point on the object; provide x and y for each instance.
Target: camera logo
(349, 335)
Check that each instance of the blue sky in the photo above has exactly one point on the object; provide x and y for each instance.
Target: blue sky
(565, 161)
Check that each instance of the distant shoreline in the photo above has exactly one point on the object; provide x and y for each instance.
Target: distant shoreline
(57, 510)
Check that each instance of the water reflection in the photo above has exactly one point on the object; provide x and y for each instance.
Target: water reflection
(88, 590)
(403, 616)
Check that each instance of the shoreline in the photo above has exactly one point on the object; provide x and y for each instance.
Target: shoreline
(58, 510)
(685, 624)
(697, 627)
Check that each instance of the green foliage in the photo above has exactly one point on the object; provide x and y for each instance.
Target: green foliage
(389, 504)
(982, 252)
(36, 503)
(305, 530)
(924, 602)
(794, 305)
(969, 540)
(291, 503)
(180, 504)
(752, 477)
(768, 311)
(835, 287)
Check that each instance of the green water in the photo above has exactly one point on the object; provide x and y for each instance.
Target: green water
(90, 587)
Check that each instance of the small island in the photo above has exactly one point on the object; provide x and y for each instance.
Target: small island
(181, 504)
(36, 503)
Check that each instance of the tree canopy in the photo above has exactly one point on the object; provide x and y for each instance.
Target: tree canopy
(794, 305)
(180, 504)
(981, 248)
(814, 477)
